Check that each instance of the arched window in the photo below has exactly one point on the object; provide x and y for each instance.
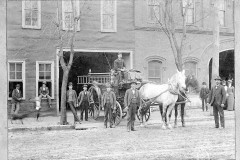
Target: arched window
(154, 70)
(190, 68)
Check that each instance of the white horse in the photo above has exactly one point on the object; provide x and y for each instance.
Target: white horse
(166, 94)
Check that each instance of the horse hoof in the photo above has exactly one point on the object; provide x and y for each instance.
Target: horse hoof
(175, 126)
(169, 126)
(141, 125)
(183, 125)
(163, 127)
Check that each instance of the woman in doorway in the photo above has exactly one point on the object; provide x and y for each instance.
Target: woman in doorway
(230, 99)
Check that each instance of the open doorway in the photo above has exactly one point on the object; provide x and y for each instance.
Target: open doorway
(226, 66)
(97, 62)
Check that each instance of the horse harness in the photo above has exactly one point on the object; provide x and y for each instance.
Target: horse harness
(172, 91)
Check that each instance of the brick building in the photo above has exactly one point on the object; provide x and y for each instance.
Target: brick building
(106, 28)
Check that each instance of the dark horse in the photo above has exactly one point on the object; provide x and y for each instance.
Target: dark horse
(180, 101)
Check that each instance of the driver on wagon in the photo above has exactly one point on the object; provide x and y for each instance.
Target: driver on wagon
(119, 67)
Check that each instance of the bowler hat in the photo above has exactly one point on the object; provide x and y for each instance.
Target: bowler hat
(133, 82)
(17, 85)
(84, 85)
(44, 82)
(230, 80)
(70, 84)
(218, 78)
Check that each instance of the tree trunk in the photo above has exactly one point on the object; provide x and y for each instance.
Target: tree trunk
(215, 62)
(237, 73)
(63, 120)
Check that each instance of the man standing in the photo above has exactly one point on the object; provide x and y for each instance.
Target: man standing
(84, 100)
(131, 101)
(217, 99)
(44, 92)
(119, 67)
(204, 95)
(72, 101)
(109, 104)
(16, 99)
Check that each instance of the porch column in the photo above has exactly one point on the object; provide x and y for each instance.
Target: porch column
(215, 62)
(3, 81)
(237, 75)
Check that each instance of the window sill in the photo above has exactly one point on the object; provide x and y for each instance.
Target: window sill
(30, 27)
(108, 31)
(9, 99)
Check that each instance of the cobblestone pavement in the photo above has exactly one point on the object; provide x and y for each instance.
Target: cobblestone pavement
(198, 140)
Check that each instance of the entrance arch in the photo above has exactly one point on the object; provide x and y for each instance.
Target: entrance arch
(226, 66)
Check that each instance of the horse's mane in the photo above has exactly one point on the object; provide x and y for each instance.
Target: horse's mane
(173, 79)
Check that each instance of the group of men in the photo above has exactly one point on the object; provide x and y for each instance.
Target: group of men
(131, 102)
(17, 97)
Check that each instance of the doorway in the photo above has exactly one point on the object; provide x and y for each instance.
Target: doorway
(226, 66)
(83, 62)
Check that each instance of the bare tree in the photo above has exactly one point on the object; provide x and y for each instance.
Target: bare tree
(66, 65)
(169, 27)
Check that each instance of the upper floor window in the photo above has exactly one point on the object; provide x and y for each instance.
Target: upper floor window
(154, 13)
(154, 71)
(189, 4)
(67, 14)
(16, 75)
(31, 14)
(222, 12)
(190, 68)
(108, 15)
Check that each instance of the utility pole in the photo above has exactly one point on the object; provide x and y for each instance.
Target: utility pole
(216, 23)
(3, 81)
(237, 75)
(215, 59)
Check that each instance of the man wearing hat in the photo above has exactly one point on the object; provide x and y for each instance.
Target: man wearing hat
(119, 67)
(84, 100)
(44, 92)
(217, 98)
(131, 102)
(16, 99)
(204, 95)
(72, 101)
(109, 104)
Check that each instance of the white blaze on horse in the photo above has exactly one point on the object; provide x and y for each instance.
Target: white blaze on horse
(166, 94)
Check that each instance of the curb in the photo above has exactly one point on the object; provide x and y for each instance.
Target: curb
(48, 128)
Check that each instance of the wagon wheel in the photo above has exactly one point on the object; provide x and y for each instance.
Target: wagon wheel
(146, 111)
(118, 115)
(95, 106)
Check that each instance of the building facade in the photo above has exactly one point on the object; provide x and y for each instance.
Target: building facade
(106, 27)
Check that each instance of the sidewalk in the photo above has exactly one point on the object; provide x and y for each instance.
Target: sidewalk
(52, 123)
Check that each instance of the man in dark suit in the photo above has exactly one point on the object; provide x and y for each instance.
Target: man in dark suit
(16, 99)
(84, 100)
(217, 98)
(131, 102)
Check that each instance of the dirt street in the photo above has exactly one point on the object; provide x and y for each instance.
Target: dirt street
(197, 140)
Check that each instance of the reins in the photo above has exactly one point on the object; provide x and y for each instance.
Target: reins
(172, 91)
